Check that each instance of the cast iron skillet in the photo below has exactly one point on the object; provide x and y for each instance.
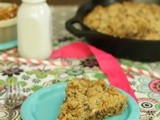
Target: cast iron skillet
(139, 50)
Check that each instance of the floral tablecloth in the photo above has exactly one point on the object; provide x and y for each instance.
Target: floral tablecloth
(144, 77)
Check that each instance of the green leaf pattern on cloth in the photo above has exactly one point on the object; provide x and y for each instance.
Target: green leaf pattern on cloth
(34, 77)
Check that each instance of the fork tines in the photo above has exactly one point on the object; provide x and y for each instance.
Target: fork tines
(13, 95)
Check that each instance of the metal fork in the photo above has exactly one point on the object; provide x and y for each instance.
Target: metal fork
(13, 98)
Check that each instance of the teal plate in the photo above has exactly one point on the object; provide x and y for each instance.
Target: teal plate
(45, 105)
(8, 45)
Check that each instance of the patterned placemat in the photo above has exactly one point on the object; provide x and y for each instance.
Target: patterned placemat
(33, 76)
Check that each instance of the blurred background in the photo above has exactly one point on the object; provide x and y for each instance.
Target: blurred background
(67, 8)
(56, 2)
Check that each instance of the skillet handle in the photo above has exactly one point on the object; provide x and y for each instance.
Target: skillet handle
(79, 32)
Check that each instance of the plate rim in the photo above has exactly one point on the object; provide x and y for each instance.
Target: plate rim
(8, 45)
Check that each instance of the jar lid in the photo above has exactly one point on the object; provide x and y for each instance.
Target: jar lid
(33, 1)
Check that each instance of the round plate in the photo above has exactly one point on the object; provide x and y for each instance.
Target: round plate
(45, 105)
(8, 45)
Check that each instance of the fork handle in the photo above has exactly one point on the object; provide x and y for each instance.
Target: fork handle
(10, 111)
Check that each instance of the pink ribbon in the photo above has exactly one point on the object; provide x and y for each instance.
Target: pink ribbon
(108, 64)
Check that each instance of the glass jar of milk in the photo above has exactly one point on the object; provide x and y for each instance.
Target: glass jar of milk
(34, 29)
